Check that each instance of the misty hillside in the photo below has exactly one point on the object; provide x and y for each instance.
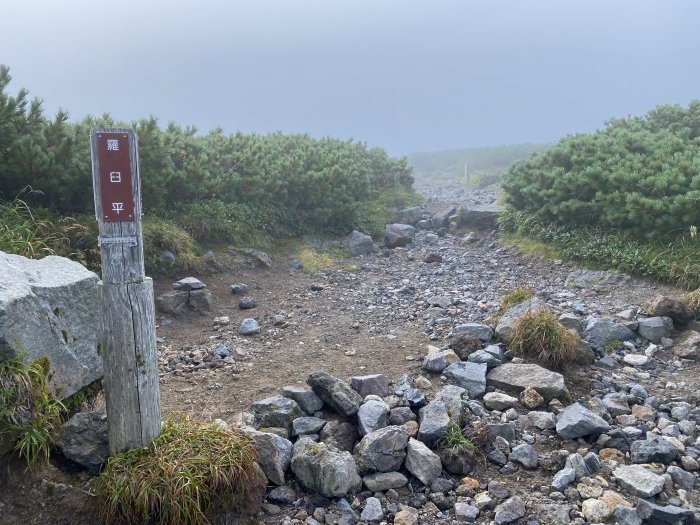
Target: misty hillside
(484, 165)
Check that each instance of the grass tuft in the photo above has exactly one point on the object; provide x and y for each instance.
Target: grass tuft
(313, 261)
(456, 440)
(516, 297)
(541, 336)
(191, 470)
(692, 301)
(28, 412)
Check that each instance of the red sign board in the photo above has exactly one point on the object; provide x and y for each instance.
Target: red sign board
(116, 193)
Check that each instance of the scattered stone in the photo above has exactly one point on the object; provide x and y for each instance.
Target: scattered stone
(510, 510)
(465, 513)
(595, 511)
(498, 401)
(481, 332)
(376, 384)
(600, 332)
(84, 440)
(688, 346)
(239, 288)
(406, 516)
(324, 469)
(470, 376)
(249, 326)
(382, 450)
(187, 284)
(305, 398)
(436, 362)
(383, 481)
(422, 462)
(434, 420)
(530, 398)
(305, 426)
(372, 511)
(577, 421)
(653, 449)
(524, 454)
(543, 420)
(247, 302)
(335, 392)
(276, 411)
(274, 453)
(372, 415)
(663, 515)
(563, 479)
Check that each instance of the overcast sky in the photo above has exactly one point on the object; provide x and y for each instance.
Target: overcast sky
(406, 75)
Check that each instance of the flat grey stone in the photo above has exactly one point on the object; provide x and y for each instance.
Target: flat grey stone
(510, 510)
(515, 377)
(524, 454)
(563, 479)
(422, 462)
(470, 376)
(434, 420)
(655, 328)
(372, 511)
(383, 481)
(335, 392)
(639, 481)
(375, 384)
(480, 331)
(305, 398)
(372, 416)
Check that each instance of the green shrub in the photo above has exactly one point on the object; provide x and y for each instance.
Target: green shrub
(191, 470)
(27, 410)
(373, 215)
(540, 336)
(638, 175)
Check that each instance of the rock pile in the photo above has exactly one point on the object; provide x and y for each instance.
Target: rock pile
(389, 453)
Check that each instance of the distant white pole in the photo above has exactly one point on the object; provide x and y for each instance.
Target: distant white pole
(466, 173)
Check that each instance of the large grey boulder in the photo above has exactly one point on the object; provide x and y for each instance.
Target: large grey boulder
(396, 235)
(655, 328)
(324, 469)
(409, 215)
(49, 307)
(688, 346)
(577, 421)
(599, 332)
(274, 454)
(482, 216)
(275, 411)
(442, 217)
(357, 243)
(335, 392)
(506, 323)
(470, 376)
(436, 362)
(382, 450)
(84, 440)
(515, 377)
(377, 384)
(667, 307)
(479, 331)
(422, 462)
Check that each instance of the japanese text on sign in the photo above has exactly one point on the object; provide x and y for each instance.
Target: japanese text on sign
(116, 193)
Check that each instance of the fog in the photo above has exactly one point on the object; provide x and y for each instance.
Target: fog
(401, 74)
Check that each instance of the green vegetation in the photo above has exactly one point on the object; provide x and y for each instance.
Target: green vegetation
(638, 175)
(28, 412)
(514, 298)
(456, 440)
(692, 300)
(485, 165)
(237, 189)
(190, 471)
(676, 261)
(611, 346)
(313, 262)
(539, 335)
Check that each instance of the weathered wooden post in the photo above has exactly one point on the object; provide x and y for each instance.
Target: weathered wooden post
(129, 341)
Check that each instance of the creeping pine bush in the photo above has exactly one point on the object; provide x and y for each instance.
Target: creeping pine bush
(539, 335)
(191, 470)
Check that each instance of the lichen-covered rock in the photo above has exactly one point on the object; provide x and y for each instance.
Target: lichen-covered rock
(275, 411)
(382, 450)
(335, 392)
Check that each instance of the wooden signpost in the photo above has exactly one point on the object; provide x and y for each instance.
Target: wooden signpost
(126, 294)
